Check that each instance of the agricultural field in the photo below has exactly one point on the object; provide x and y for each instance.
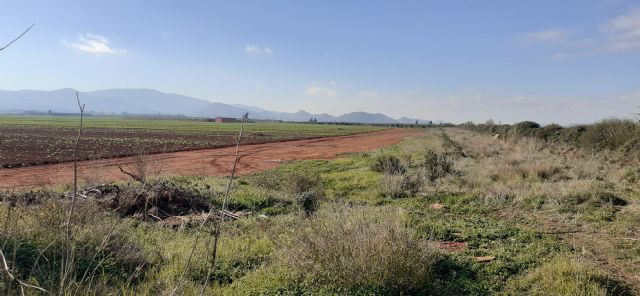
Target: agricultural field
(446, 212)
(31, 140)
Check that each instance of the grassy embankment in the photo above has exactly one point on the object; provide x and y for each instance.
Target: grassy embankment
(454, 213)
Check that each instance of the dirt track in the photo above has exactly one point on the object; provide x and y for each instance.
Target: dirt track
(210, 162)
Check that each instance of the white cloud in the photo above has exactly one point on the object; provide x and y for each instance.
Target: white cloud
(258, 50)
(619, 34)
(623, 32)
(322, 91)
(631, 97)
(555, 36)
(94, 44)
(368, 93)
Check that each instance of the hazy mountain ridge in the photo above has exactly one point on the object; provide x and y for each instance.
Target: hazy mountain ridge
(149, 101)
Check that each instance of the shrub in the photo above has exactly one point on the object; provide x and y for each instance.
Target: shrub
(101, 251)
(436, 165)
(399, 186)
(308, 202)
(610, 134)
(388, 164)
(523, 129)
(360, 249)
(451, 147)
(631, 146)
(300, 182)
(566, 276)
(166, 197)
(549, 132)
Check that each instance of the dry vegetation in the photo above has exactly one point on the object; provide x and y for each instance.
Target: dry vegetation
(451, 213)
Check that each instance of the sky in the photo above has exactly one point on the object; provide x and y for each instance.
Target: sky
(570, 61)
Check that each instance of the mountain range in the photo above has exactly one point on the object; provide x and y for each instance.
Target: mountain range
(153, 102)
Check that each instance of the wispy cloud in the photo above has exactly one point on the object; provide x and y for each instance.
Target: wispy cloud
(317, 90)
(94, 44)
(368, 93)
(555, 36)
(623, 32)
(619, 34)
(258, 50)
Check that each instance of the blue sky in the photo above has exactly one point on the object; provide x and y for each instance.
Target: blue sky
(549, 61)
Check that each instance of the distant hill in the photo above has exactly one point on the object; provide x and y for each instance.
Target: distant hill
(153, 102)
(365, 118)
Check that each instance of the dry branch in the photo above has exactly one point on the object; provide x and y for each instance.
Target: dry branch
(16, 39)
(67, 264)
(8, 277)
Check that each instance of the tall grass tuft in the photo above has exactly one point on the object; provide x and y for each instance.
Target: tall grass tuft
(360, 249)
(564, 275)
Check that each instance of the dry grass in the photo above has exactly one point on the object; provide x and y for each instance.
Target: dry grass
(360, 248)
(556, 187)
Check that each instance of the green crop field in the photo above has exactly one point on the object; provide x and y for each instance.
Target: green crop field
(33, 140)
(181, 125)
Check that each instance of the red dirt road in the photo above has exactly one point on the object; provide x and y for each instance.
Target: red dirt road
(210, 162)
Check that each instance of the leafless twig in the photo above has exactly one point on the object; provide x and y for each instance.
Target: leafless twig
(223, 212)
(8, 277)
(208, 216)
(68, 259)
(16, 39)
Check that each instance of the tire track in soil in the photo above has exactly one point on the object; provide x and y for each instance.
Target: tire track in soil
(215, 162)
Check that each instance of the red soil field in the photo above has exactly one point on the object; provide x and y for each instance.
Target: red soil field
(208, 162)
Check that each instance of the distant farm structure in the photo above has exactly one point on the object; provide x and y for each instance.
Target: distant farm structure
(225, 119)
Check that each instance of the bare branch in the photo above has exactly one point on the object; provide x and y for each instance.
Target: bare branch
(8, 277)
(221, 217)
(16, 39)
(132, 175)
(68, 259)
(223, 212)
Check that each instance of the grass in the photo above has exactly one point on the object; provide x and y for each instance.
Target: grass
(552, 219)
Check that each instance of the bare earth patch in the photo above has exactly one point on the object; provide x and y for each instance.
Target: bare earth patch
(207, 162)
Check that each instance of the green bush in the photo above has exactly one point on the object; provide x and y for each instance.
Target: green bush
(399, 186)
(308, 202)
(436, 165)
(610, 134)
(300, 182)
(451, 147)
(388, 164)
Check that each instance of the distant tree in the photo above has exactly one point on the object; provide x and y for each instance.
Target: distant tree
(430, 122)
(416, 122)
